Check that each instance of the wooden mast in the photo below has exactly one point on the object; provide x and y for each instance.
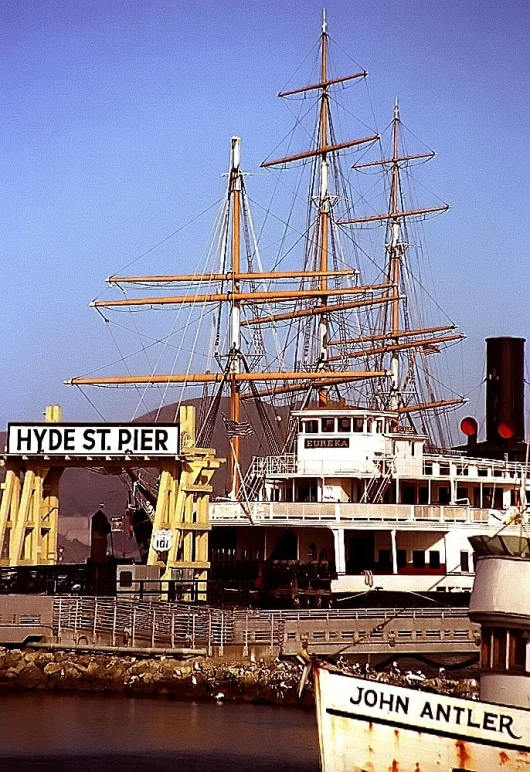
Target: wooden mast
(363, 339)
(242, 298)
(324, 204)
(396, 248)
(228, 276)
(395, 254)
(325, 145)
(235, 344)
(320, 300)
(234, 376)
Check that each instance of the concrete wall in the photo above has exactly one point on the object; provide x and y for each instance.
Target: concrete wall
(25, 616)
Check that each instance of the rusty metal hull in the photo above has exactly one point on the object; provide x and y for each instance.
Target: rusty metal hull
(370, 726)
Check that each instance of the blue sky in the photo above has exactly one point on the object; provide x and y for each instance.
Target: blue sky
(115, 119)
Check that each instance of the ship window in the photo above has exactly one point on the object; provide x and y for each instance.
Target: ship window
(418, 559)
(328, 424)
(428, 468)
(444, 495)
(358, 424)
(379, 427)
(498, 660)
(518, 644)
(485, 650)
(307, 492)
(408, 494)
(462, 494)
(412, 448)
(126, 579)
(464, 562)
(311, 427)
(482, 472)
(275, 494)
(344, 424)
(434, 559)
(497, 643)
(401, 558)
(385, 558)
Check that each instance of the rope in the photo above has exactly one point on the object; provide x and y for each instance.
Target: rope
(166, 238)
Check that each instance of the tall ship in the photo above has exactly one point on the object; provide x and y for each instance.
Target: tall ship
(308, 342)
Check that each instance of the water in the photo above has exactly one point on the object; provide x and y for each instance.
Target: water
(43, 732)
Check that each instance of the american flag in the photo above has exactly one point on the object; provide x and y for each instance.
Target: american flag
(237, 429)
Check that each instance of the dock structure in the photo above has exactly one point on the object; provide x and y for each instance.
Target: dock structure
(227, 632)
(29, 506)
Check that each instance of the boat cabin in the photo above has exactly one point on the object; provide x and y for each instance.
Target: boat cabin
(371, 500)
(500, 603)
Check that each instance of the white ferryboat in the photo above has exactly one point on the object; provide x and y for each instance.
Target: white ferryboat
(388, 513)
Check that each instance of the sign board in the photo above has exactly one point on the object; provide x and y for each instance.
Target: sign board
(450, 719)
(162, 540)
(335, 442)
(51, 439)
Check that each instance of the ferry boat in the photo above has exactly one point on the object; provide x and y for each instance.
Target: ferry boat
(326, 370)
(368, 725)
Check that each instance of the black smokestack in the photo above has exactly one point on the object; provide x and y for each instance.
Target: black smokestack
(505, 390)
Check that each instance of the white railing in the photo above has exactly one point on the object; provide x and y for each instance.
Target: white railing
(136, 623)
(459, 467)
(468, 467)
(264, 511)
(288, 464)
(161, 624)
(262, 466)
(143, 622)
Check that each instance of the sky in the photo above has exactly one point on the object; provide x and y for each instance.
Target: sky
(115, 121)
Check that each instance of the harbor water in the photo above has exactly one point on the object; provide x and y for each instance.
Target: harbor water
(45, 732)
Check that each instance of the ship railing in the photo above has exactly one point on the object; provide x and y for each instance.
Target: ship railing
(450, 612)
(264, 511)
(466, 466)
(456, 465)
(271, 466)
(263, 466)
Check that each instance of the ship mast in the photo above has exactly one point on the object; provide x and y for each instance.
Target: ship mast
(320, 241)
(397, 339)
(239, 290)
(395, 250)
(235, 343)
(249, 300)
(324, 200)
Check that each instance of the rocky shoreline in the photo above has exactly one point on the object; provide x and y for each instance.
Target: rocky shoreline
(276, 682)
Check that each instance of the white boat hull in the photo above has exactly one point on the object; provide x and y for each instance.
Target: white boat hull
(370, 726)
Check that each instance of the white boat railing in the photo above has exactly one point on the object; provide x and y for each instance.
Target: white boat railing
(307, 512)
(434, 465)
